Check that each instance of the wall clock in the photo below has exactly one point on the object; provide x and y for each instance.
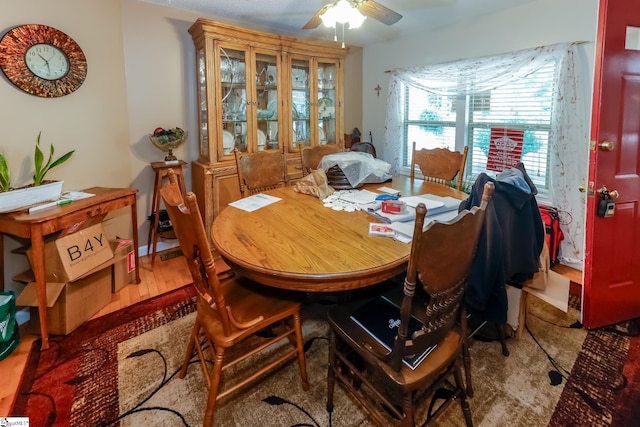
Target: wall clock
(42, 60)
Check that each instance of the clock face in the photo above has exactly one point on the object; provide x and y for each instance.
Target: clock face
(47, 61)
(42, 60)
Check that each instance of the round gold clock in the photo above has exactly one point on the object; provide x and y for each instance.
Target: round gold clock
(42, 60)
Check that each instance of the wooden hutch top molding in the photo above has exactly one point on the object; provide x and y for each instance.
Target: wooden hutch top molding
(217, 30)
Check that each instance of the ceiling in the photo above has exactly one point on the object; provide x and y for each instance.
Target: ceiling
(287, 17)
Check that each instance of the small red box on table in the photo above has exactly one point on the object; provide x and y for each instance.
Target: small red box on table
(393, 206)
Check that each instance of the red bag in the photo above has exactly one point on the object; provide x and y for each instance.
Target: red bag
(553, 233)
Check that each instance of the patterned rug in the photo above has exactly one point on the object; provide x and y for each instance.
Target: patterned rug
(121, 369)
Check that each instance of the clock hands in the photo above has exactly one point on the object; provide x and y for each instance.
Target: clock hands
(46, 63)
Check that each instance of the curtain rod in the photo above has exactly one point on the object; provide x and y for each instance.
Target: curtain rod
(576, 42)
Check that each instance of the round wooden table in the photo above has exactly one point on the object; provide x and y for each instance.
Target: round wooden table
(298, 244)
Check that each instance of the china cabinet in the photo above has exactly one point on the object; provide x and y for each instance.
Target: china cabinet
(260, 91)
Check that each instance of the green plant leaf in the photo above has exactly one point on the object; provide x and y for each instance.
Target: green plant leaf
(62, 159)
(38, 158)
(5, 177)
(41, 171)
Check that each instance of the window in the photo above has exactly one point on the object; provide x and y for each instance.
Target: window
(451, 122)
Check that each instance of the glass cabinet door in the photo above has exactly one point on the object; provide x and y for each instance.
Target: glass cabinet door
(326, 103)
(202, 103)
(233, 100)
(300, 107)
(266, 101)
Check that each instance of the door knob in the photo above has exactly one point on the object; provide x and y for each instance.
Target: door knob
(584, 188)
(606, 146)
(605, 193)
(606, 206)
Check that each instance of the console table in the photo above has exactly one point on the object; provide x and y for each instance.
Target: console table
(37, 225)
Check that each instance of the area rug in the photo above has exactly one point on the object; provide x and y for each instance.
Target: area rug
(122, 370)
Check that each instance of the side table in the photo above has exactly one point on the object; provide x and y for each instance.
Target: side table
(37, 225)
(161, 169)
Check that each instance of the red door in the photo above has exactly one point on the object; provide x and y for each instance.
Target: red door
(612, 251)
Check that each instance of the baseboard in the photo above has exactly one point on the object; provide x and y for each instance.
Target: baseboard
(160, 246)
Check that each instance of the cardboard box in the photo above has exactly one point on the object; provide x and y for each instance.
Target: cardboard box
(124, 264)
(72, 256)
(68, 304)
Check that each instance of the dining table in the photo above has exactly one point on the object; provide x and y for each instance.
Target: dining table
(299, 244)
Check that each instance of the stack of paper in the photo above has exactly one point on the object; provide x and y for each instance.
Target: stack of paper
(435, 205)
(404, 230)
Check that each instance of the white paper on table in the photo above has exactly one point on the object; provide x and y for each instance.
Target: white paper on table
(76, 195)
(361, 197)
(254, 202)
(389, 190)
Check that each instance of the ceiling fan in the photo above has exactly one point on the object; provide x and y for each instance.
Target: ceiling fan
(369, 8)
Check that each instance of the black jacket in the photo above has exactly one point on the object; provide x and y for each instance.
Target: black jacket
(509, 246)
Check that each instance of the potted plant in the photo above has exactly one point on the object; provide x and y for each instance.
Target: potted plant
(40, 190)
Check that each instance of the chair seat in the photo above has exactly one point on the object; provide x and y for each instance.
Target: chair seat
(247, 304)
(408, 379)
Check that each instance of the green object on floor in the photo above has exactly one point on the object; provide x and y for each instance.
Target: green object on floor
(9, 335)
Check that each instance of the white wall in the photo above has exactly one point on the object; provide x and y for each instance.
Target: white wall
(541, 22)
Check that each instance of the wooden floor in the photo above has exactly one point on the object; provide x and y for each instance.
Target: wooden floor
(163, 277)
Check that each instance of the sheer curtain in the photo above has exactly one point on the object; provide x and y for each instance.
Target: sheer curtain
(568, 140)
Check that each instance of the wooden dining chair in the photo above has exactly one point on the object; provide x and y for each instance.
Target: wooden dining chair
(260, 171)
(310, 157)
(439, 165)
(230, 311)
(425, 350)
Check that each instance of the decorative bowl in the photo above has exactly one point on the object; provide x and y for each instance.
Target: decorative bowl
(167, 143)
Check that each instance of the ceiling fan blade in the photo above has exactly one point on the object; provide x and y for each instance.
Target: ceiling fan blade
(315, 21)
(379, 12)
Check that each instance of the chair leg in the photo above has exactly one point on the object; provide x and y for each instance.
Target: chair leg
(302, 362)
(466, 409)
(407, 409)
(216, 374)
(466, 360)
(503, 340)
(331, 375)
(190, 347)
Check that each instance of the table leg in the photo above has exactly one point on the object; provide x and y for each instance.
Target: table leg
(37, 246)
(156, 216)
(134, 226)
(154, 202)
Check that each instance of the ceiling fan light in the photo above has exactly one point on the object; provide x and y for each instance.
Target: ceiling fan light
(356, 19)
(344, 12)
(329, 18)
